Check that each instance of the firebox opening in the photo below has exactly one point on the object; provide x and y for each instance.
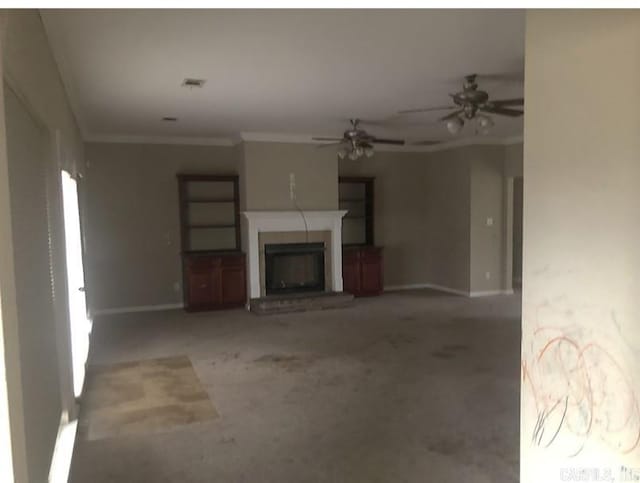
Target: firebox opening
(294, 267)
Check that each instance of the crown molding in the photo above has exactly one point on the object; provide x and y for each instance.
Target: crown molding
(193, 141)
(272, 137)
(265, 137)
(456, 143)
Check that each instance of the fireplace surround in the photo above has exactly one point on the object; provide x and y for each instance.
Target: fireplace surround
(292, 227)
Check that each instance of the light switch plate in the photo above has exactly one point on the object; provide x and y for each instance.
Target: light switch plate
(490, 221)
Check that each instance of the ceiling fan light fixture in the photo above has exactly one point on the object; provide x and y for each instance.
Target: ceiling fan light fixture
(454, 125)
(342, 153)
(353, 155)
(369, 151)
(484, 124)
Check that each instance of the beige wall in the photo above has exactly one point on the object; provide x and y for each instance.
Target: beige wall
(580, 318)
(37, 352)
(431, 211)
(26, 146)
(266, 169)
(427, 206)
(133, 225)
(513, 154)
(487, 237)
(421, 215)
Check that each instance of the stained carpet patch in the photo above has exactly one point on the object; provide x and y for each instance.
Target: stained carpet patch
(143, 396)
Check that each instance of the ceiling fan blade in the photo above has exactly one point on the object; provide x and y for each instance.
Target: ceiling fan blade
(327, 139)
(330, 145)
(452, 115)
(425, 143)
(506, 102)
(397, 142)
(426, 109)
(503, 111)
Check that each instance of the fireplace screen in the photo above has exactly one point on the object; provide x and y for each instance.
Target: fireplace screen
(294, 267)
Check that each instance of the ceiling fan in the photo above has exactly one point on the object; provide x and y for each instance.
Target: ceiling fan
(470, 103)
(356, 142)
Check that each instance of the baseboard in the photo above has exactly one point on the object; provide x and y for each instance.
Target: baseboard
(414, 286)
(138, 308)
(490, 293)
(442, 288)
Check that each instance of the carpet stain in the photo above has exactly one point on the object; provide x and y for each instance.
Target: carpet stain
(287, 362)
(142, 397)
(446, 447)
(397, 340)
(443, 355)
(455, 347)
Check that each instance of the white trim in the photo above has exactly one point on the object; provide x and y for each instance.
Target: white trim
(194, 141)
(311, 220)
(432, 286)
(266, 137)
(138, 308)
(272, 137)
(490, 293)
(63, 450)
(452, 144)
(442, 288)
(519, 139)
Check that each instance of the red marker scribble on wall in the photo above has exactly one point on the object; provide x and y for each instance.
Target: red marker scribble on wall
(581, 393)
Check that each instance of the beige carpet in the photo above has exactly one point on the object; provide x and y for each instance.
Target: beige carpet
(142, 397)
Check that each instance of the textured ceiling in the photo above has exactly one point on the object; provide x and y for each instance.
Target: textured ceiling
(295, 72)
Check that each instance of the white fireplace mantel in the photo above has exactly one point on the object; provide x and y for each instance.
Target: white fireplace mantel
(271, 221)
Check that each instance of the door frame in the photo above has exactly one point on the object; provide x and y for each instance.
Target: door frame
(507, 261)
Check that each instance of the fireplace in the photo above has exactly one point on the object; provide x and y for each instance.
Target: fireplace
(294, 267)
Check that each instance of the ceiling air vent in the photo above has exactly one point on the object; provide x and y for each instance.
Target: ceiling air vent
(170, 119)
(193, 82)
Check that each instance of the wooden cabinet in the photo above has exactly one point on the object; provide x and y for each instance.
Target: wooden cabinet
(362, 270)
(214, 281)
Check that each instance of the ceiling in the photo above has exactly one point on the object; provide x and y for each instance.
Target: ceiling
(293, 72)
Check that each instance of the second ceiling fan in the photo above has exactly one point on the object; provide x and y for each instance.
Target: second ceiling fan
(469, 104)
(356, 142)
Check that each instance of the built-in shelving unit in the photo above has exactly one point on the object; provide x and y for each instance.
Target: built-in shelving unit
(213, 266)
(356, 196)
(209, 212)
(362, 262)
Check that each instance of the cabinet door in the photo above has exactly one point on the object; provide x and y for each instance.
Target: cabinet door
(350, 272)
(200, 288)
(371, 272)
(233, 285)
